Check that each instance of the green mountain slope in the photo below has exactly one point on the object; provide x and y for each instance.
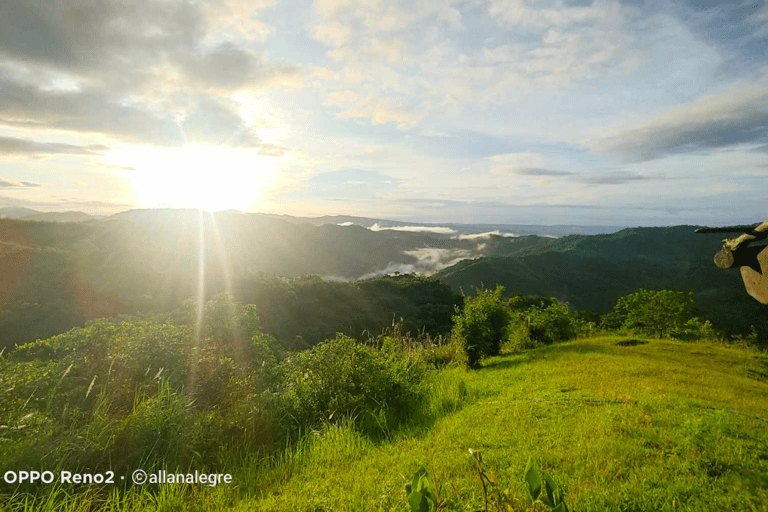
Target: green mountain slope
(591, 272)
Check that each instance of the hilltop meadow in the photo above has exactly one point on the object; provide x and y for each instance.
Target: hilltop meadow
(604, 372)
(649, 409)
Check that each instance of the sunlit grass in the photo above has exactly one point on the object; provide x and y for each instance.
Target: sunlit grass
(645, 427)
(657, 425)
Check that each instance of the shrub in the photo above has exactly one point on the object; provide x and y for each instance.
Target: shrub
(655, 311)
(542, 325)
(482, 325)
(159, 432)
(341, 379)
(693, 329)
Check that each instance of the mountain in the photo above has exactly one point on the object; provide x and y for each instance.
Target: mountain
(15, 212)
(591, 272)
(54, 276)
(58, 217)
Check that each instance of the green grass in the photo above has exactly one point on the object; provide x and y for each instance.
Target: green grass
(656, 426)
(653, 443)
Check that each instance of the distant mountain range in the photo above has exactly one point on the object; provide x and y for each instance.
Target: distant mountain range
(54, 275)
(34, 215)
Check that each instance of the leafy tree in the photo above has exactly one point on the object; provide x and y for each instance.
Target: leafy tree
(482, 325)
(655, 311)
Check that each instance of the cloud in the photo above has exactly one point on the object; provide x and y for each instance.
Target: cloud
(6, 183)
(12, 145)
(135, 71)
(379, 110)
(526, 171)
(484, 236)
(517, 163)
(516, 13)
(613, 178)
(230, 68)
(415, 229)
(428, 261)
(239, 17)
(204, 119)
(735, 117)
(332, 34)
(525, 164)
(98, 36)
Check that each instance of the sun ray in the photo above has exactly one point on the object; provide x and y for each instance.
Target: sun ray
(200, 303)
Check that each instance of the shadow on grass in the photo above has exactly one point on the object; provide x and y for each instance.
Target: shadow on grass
(552, 352)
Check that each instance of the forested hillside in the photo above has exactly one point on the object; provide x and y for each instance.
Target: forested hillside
(54, 276)
(591, 272)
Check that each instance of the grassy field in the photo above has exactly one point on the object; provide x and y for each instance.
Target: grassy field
(646, 425)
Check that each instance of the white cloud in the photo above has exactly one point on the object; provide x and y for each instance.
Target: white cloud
(380, 110)
(484, 236)
(333, 34)
(239, 18)
(415, 229)
(428, 261)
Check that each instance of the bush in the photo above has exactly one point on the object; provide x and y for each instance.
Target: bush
(342, 379)
(482, 326)
(693, 329)
(542, 325)
(159, 432)
(655, 311)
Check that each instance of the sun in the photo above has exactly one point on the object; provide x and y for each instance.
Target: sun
(198, 176)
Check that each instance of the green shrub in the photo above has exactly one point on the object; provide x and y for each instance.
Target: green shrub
(693, 329)
(482, 325)
(341, 379)
(160, 432)
(542, 325)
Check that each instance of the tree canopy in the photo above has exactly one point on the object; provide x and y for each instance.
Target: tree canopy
(655, 311)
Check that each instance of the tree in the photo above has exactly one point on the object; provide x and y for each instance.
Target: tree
(482, 325)
(655, 311)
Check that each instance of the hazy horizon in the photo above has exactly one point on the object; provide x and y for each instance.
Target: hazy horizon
(570, 112)
(412, 224)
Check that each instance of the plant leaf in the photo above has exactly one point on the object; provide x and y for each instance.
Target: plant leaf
(418, 502)
(532, 480)
(553, 491)
(416, 480)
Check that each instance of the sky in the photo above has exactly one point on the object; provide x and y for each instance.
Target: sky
(481, 111)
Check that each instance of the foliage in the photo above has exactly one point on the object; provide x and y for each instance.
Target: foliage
(420, 495)
(591, 271)
(435, 352)
(160, 431)
(553, 496)
(694, 329)
(664, 436)
(140, 389)
(542, 325)
(655, 311)
(341, 379)
(481, 327)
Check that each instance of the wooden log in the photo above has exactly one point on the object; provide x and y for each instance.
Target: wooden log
(740, 257)
(756, 280)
